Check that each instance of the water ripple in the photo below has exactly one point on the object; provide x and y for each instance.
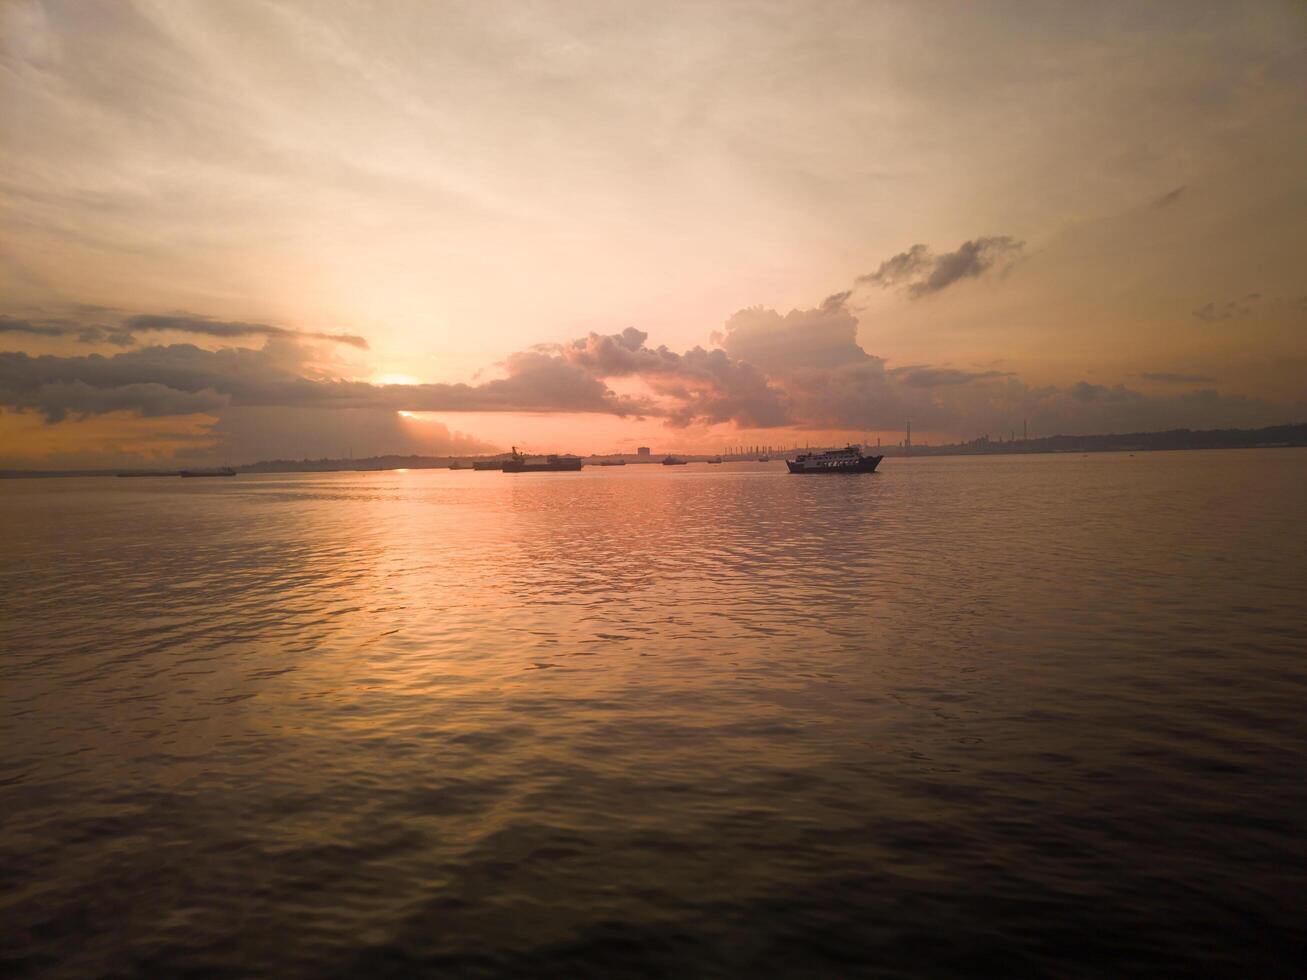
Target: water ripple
(1002, 716)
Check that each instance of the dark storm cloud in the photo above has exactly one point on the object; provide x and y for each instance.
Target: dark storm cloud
(1179, 379)
(922, 273)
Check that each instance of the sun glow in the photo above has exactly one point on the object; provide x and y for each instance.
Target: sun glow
(395, 379)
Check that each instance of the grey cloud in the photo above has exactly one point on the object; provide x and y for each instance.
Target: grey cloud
(813, 355)
(59, 399)
(1088, 408)
(12, 325)
(805, 368)
(698, 386)
(922, 273)
(831, 382)
(1179, 379)
(821, 338)
(63, 328)
(708, 386)
(187, 323)
(1170, 197)
(900, 269)
(256, 433)
(123, 334)
(1085, 392)
(713, 387)
(928, 377)
(135, 380)
(1229, 310)
(103, 335)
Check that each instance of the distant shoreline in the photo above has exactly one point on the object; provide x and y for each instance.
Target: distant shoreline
(1174, 440)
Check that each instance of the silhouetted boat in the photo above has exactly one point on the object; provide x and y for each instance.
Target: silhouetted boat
(488, 464)
(764, 459)
(846, 460)
(220, 471)
(715, 459)
(673, 461)
(519, 463)
(612, 462)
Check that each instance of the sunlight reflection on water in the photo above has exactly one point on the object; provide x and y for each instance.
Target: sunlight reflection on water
(964, 714)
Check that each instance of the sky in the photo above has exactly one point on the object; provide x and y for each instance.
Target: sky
(237, 230)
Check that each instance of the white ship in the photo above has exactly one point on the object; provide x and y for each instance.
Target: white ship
(846, 460)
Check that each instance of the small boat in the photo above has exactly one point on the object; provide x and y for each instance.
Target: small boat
(520, 463)
(764, 459)
(488, 464)
(612, 462)
(220, 471)
(715, 459)
(673, 461)
(846, 460)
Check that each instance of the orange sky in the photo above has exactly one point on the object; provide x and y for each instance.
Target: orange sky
(1111, 203)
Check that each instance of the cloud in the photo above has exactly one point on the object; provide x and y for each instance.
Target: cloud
(803, 369)
(705, 386)
(1170, 197)
(1179, 379)
(921, 273)
(103, 335)
(831, 382)
(57, 400)
(921, 376)
(901, 269)
(187, 323)
(12, 325)
(268, 433)
(86, 331)
(198, 379)
(822, 338)
(1229, 310)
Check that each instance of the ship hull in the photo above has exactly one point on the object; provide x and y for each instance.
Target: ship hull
(867, 464)
(563, 466)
